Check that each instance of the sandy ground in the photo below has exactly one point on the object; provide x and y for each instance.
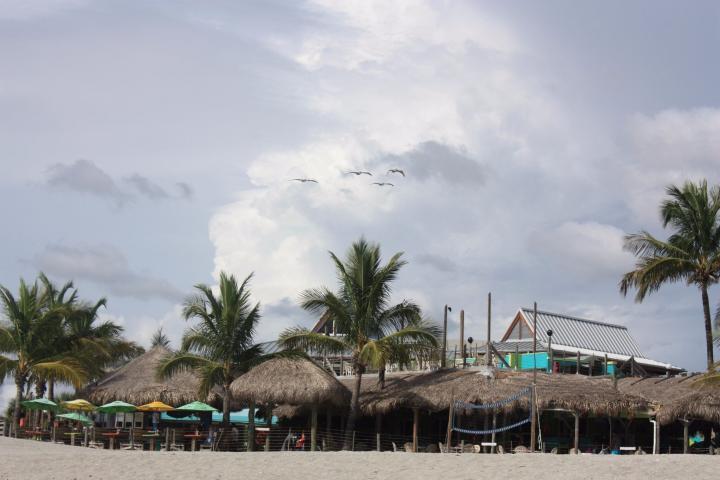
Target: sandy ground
(25, 459)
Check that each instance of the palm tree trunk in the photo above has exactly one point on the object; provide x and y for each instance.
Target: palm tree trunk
(708, 327)
(51, 390)
(354, 408)
(19, 387)
(381, 376)
(226, 407)
(251, 427)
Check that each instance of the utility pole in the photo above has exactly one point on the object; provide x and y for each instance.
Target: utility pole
(443, 359)
(533, 421)
(488, 357)
(462, 337)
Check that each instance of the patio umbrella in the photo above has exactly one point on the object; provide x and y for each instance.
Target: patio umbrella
(79, 404)
(155, 407)
(116, 407)
(197, 407)
(78, 417)
(39, 404)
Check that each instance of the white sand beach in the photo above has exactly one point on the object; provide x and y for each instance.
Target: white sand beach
(28, 460)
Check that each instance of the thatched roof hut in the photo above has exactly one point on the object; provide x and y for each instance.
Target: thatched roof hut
(136, 382)
(673, 398)
(435, 391)
(290, 381)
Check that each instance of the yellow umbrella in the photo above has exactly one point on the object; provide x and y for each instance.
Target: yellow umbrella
(155, 407)
(79, 404)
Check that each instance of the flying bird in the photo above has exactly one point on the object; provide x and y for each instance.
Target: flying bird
(358, 172)
(397, 170)
(303, 180)
(382, 184)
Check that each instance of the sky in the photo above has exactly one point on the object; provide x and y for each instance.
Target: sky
(146, 146)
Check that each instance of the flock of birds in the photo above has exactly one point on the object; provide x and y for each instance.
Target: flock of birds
(357, 173)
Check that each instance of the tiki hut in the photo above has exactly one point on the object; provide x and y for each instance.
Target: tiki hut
(676, 398)
(136, 382)
(298, 382)
(435, 391)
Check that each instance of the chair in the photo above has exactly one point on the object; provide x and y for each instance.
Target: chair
(554, 451)
(500, 450)
(521, 449)
(476, 448)
(408, 446)
(395, 449)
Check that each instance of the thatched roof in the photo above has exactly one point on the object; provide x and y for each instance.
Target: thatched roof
(290, 381)
(136, 382)
(673, 398)
(434, 391)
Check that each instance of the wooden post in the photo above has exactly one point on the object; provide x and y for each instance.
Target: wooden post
(577, 433)
(488, 360)
(494, 426)
(462, 336)
(443, 358)
(533, 420)
(313, 428)
(606, 365)
(610, 439)
(167, 439)
(268, 422)
(577, 368)
(517, 357)
(451, 412)
(686, 426)
(416, 420)
(251, 427)
(378, 431)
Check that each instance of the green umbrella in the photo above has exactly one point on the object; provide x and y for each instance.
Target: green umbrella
(197, 407)
(78, 417)
(116, 407)
(39, 404)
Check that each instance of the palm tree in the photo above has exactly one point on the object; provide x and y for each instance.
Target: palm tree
(92, 343)
(361, 312)
(159, 339)
(29, 335)
(691, 254)
(221, 347)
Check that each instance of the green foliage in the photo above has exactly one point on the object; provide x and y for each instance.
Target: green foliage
(373, 331)
(159, 339)
(691, 254)
(221, 346)
(49, 335)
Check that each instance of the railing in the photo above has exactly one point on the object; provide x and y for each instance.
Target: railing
(235, 439)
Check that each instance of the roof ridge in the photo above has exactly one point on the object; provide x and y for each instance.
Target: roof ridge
(577, 319)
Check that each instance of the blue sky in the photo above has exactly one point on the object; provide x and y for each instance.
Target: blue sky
(145, 146)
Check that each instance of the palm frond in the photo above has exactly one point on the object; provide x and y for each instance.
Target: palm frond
(303, 339)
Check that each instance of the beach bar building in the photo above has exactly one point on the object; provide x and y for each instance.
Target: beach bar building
(575, 345)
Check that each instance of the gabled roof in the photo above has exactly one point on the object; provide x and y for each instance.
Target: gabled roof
(583, 334)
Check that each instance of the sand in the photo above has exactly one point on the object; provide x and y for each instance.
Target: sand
(26, 459)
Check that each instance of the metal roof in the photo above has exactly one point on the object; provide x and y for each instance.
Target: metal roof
(583, 334)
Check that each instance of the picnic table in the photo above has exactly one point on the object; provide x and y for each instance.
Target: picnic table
(111, 436)
(35, 434)
(152, 438)
(194, 437)
(72, 437)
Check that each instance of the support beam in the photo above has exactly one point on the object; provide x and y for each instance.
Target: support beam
(378, 431)
(416, 421)
(251, 427)
(494, 426)
(576, 442)
(686, 427)
(313, 428)
(577, 367)
(268, 423)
